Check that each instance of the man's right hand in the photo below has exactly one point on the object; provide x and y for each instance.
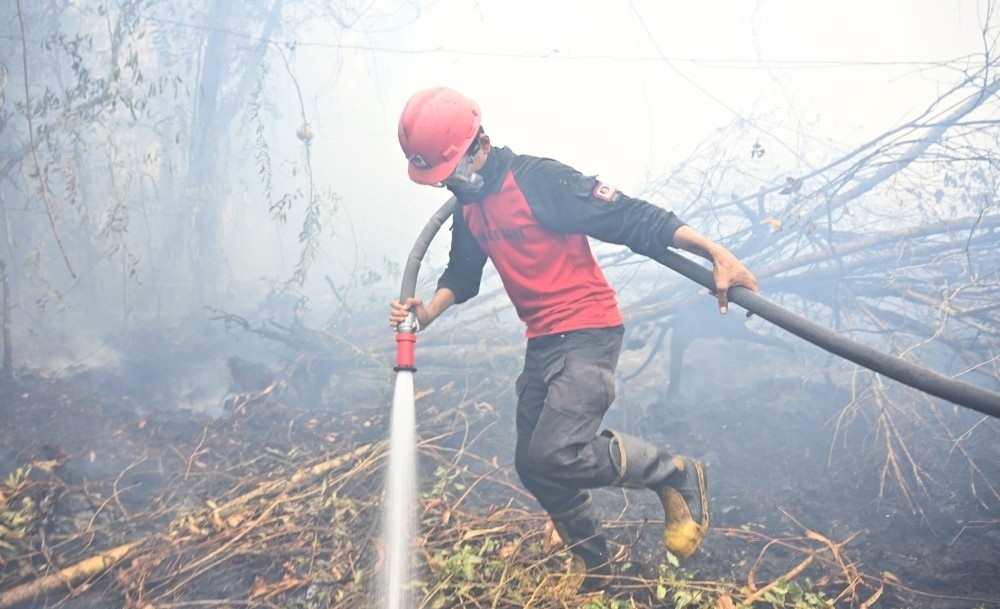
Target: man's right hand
(443, 298)
(399, 311)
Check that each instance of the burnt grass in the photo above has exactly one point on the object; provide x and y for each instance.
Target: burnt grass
(788, 476)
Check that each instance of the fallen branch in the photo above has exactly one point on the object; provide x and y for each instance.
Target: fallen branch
(88, 568)
(65, 578)
(787, 577)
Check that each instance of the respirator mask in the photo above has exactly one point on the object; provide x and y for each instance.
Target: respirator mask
(465, 181)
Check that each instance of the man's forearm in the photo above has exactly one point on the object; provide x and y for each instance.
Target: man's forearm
(442, 299)
(692, 241)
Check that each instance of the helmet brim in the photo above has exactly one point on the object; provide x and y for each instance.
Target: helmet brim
(433, 175)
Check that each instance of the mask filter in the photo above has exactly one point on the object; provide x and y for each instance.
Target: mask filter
(464, 181)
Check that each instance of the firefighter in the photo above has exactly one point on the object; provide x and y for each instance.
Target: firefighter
(531, 217)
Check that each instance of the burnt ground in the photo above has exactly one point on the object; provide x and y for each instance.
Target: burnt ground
(789, 474)
(785, 456)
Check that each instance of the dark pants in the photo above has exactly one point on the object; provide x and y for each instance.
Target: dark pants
(563, 393)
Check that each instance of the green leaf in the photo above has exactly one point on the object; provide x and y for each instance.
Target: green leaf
(794, 592)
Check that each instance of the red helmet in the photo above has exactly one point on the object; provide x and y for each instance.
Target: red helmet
(436, 128)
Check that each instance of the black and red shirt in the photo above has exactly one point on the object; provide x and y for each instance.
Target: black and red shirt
(532, 219)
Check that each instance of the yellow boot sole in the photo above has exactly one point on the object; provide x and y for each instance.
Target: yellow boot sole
(682, 534)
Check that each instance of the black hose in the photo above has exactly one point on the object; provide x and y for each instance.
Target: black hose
(918, 377)
(412, 268)
(928, 381)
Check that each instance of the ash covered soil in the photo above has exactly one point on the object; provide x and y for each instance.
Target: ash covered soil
(787, 470)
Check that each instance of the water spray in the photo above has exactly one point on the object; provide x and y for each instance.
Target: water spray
(399, 522)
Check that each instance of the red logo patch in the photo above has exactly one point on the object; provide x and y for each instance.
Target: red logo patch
(604, 192)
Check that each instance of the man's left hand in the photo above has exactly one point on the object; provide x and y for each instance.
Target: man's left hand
(729, 272)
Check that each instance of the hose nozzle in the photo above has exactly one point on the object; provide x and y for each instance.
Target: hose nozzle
(406, 339)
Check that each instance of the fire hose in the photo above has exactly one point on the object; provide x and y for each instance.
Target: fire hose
(918, 377)
(912, 375)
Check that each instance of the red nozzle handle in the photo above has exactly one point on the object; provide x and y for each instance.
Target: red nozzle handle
(405, 342)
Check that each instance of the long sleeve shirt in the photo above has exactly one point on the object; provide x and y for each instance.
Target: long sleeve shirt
(532, 219)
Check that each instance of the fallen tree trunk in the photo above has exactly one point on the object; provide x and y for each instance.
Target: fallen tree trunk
(835, 251)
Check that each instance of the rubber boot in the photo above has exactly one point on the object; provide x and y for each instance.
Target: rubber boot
(579, 528)
(679, 482)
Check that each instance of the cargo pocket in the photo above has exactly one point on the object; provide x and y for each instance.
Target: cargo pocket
(520, 383)
(554, 368)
